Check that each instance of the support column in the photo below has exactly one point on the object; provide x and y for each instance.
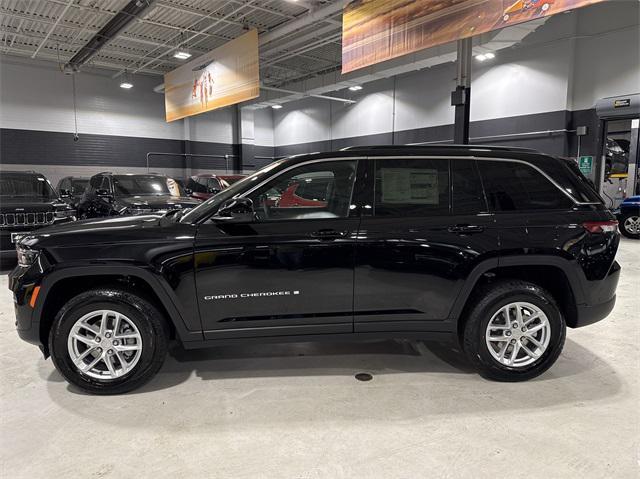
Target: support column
(187, 147)
(245, 140)
(461, 97)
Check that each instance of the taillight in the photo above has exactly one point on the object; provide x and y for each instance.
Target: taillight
(601, 226)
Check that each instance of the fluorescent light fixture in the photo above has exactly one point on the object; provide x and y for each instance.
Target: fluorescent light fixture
(182, 55)
(485, 56)
(355, 88)
(126, 85)
(276, 107)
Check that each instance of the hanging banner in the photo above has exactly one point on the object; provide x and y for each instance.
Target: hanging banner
(224, 76)
(377, 30)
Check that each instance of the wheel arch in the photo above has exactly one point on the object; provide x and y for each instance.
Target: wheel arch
(557, 275)
(60, 286)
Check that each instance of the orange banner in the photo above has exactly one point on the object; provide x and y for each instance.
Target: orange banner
(377, 30)
(224, 76)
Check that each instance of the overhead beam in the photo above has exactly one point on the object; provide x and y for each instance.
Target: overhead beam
(118, 22)
(53, 27)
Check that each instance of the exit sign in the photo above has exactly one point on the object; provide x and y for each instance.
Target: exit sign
(585, 163)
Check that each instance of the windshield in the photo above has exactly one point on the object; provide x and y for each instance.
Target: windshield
(135, 185)
(78, 186)
(25, 186)
(211, 205)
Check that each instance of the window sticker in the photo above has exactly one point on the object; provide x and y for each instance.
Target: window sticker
(410, 185)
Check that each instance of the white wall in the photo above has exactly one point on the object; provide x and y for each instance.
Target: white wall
(215, 126)
(37, 96)
(263, 127)
(567, 64)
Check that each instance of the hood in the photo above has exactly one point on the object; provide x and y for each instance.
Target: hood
(632, 200)
(28, 205)
(156, 202)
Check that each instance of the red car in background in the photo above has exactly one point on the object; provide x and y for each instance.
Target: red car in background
(204, 186)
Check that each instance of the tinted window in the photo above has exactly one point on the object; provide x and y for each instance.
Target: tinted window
(96, 181)
(78, 186)
(140, 185)
(317, 190)
(512, 186)
(196, 187)
(466, 188)
(411, 187)
(18, 185)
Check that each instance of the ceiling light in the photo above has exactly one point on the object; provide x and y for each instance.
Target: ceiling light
(126, 85)
(485, 56)
(489, 55)
(355, 88)
(126, 81)
(181, 55)
(276, 107)
(481, 57)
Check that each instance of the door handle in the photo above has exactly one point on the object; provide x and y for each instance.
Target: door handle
(328, 234)
(465, 229)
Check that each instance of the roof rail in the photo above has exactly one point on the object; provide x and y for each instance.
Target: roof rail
(437, 147)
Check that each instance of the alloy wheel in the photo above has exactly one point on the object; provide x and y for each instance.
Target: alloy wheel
(632, 224)
(518, 334)
(104, 344)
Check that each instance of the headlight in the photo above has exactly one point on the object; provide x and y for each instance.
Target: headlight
(64, 214)
(26, 256)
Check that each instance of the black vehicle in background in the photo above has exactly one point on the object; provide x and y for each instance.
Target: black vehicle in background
(497, 250)
(27, 202)
(71, 189)
(109, 194)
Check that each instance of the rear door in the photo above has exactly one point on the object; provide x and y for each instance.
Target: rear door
(423, 230)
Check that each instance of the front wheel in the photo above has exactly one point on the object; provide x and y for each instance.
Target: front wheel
(514, 331)
(630, 226)
(108, 341)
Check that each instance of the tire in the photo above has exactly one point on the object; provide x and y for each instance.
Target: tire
(625, 226)
(488, 304)
(138, 314)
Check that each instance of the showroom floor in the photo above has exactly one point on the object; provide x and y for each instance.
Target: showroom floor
(296, 411)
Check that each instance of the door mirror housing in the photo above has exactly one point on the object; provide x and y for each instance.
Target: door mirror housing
(106, 194)
(213, 191)
(236, 210)
(64, 193)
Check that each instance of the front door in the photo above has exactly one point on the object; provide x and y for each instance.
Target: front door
(289, 272)
(425, 228)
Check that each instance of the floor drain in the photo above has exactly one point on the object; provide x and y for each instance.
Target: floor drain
(364, 377)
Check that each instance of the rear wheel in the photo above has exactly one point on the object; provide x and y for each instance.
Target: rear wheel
(108, 341)
(630, 226)
(514, 331)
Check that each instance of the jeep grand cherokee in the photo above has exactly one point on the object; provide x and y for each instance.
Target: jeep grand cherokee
(496, 249)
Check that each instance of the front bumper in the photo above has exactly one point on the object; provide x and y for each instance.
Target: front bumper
(24, 283)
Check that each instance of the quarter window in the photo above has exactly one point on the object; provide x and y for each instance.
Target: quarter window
(512, 186)
(406, 187)
(467, 195)
(316, 190)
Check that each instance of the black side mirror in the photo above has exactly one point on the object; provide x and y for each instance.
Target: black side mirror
(64, 193)
(236, 210)
(188, 191)
(213, 190)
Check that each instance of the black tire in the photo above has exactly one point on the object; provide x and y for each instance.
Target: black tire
(148, 320)
(485, 304)
(625, 232)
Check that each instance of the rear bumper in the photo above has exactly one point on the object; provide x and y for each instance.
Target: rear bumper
(601, 297)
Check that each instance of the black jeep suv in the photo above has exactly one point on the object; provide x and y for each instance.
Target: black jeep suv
(496, 249)
(109, 194)
(27, 202)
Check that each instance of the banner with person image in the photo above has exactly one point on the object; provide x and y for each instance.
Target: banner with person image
(224, 76)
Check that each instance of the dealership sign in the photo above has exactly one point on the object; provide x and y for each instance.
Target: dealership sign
(224, 76)
(377, 30)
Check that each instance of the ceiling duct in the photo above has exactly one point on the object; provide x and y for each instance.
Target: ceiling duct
(120, 20)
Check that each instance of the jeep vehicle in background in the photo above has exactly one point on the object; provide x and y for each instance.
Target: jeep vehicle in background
(497, 250)
(71, 188)
(204, 186)
(27, 202)
(109, 194)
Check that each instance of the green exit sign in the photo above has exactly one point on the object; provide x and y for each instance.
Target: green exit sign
(585, 163)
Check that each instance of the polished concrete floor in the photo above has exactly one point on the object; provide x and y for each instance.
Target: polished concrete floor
(296, 411)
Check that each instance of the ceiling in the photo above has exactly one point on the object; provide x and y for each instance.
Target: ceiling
(309, 43)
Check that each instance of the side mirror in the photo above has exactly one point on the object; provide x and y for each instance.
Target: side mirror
(238, 210)
(64, 193)
(213, 190)
(188, 191)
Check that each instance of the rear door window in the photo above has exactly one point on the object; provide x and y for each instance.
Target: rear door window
(411, 187)
(467, 197)
(514, 186)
